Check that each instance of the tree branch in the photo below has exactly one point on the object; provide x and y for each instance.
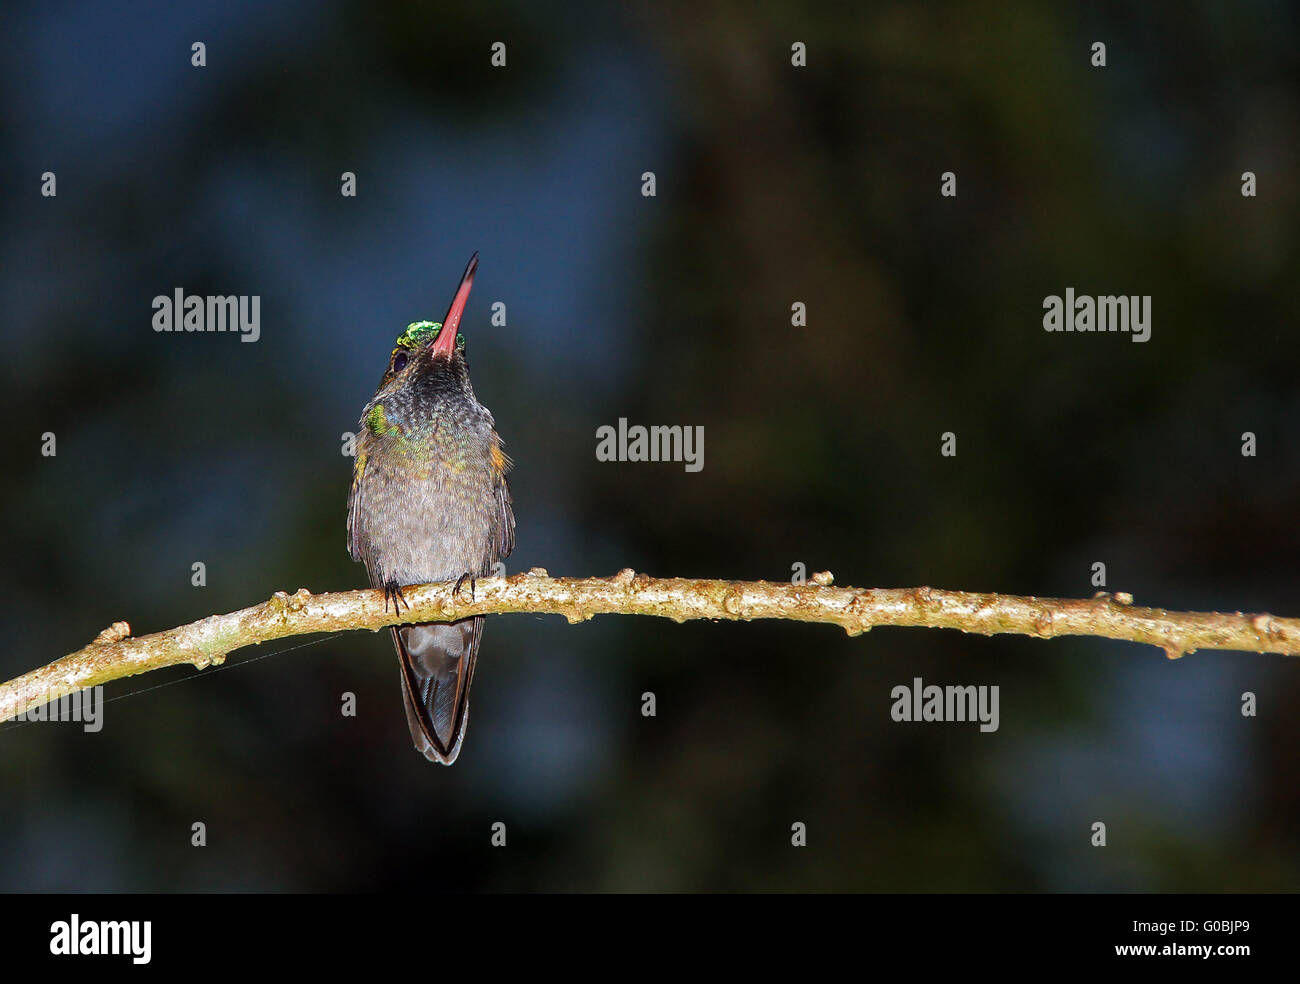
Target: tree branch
(115, 654)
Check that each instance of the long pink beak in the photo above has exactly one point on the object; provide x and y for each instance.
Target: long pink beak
(445, 343)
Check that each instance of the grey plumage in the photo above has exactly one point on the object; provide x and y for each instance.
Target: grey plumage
(429, 502)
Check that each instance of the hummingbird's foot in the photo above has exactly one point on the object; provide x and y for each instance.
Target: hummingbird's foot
(473, 583)
(393, 592)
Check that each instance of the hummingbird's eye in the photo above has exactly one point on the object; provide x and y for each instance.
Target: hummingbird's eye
(399, 361)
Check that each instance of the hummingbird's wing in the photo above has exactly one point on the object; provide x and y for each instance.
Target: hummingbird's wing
(355, 497)
(437, 662)
(505, 521)
(505, 514)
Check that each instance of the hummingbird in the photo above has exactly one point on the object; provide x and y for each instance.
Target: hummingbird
(429, 502)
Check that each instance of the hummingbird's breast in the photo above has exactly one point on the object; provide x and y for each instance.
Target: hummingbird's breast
(427, 499)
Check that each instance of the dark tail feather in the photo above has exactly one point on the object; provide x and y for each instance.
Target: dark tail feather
(437, 663)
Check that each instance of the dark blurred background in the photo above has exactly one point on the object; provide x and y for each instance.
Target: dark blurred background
(776, 184)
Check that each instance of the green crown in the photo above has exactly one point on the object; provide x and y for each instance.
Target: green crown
(417, 333)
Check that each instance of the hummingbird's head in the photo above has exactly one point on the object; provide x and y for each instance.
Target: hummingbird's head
(428, 359)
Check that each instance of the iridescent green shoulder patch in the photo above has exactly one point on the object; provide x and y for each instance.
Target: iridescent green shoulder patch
(417, 333)
(377, 421)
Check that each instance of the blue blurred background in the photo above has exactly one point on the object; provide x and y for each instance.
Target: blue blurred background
(775, 184)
